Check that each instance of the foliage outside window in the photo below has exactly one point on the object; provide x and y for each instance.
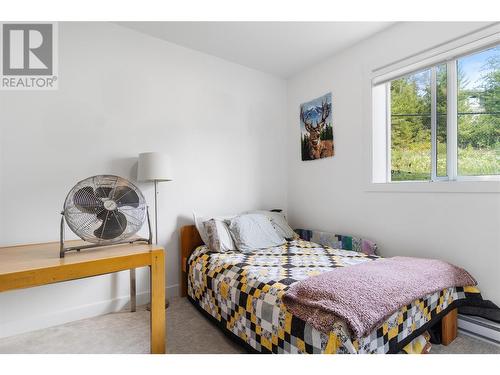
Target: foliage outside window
(419, 116)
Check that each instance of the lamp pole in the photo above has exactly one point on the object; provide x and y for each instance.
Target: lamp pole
(156, 167)
(156, 231)
(156, 211)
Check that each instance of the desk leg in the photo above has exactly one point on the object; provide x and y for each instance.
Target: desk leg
(157, 276)
(133, 294)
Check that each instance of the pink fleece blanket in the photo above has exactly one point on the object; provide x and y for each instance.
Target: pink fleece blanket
(366, 294)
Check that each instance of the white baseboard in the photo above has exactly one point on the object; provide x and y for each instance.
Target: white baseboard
(479, 328)
(55, 318)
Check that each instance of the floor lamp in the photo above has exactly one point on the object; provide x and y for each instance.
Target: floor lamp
(155, 167)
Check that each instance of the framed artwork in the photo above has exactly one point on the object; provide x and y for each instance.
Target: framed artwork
(316, 129)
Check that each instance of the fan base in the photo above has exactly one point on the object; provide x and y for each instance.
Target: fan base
(64, 249)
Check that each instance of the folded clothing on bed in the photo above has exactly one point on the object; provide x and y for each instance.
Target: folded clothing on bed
(338, 241)
(366, 294)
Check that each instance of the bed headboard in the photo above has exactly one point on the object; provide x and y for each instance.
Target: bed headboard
(190, 240)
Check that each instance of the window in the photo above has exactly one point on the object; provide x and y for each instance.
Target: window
(441, 122)
(411, 127)
(478, 114)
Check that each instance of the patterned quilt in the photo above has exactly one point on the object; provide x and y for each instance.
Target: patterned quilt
(242, 292)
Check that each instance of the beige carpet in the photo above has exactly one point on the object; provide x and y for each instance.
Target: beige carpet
(187, 332)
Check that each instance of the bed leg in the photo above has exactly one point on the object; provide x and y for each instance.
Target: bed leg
(449, 327)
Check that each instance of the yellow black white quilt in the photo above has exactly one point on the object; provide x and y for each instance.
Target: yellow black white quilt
(242, 292)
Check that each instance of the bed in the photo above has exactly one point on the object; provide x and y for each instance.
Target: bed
(241, 293)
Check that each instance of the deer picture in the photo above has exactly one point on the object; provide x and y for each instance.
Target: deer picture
(318, 148)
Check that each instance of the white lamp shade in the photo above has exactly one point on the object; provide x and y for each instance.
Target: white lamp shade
(154, 166)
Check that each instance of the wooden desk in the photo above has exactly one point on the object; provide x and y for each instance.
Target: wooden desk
(26, 266)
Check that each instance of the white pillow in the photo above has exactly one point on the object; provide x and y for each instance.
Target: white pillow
(199, 220)
(254, 231)
(279, 222)
(219, 237)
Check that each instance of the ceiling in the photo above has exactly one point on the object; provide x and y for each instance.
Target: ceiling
(278, 48)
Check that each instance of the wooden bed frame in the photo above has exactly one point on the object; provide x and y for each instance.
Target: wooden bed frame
(190, 240)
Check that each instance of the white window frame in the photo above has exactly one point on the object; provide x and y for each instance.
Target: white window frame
(380, 179)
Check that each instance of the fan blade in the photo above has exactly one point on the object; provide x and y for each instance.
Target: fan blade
(103, 192)
(86, 201)
(113, 224)
(125, 196)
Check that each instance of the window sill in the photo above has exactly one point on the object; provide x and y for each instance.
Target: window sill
(435, 187)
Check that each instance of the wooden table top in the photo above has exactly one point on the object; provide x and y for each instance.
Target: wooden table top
(21, 258)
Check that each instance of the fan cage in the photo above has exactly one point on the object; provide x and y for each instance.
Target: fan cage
(91, 216)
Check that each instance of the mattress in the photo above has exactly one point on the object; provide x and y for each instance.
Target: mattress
(242, 293)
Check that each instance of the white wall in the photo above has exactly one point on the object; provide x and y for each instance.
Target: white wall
(330, 194)
(121, 93)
